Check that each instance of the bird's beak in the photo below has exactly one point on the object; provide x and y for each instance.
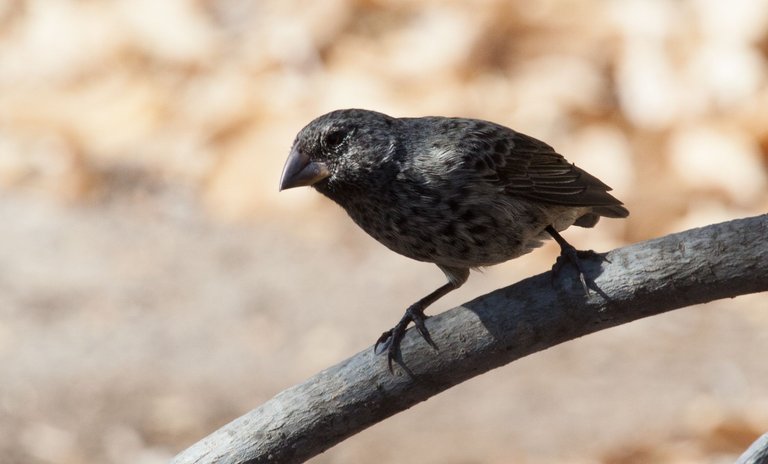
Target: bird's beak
(300, 170)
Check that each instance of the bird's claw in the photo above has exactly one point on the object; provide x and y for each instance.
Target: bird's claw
(418, 319)
(384, 340)
(575, 257)
(390, 339)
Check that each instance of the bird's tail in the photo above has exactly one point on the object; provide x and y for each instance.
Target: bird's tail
(610, 211)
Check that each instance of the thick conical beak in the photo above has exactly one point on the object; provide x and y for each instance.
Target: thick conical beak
(299, 170)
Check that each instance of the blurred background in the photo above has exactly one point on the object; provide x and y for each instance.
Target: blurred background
(154, 285)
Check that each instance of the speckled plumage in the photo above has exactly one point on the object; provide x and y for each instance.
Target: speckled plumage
(460, 193)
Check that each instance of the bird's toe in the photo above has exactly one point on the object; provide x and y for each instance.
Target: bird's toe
(571, 255)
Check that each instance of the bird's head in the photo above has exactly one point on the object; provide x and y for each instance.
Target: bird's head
(339, 150)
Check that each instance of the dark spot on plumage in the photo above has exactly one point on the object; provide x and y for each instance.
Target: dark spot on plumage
(480, 164)
(530, 218)
(501, 148)
(400, 153)
(434, 200)
(448, 230)
(400, 223)
(453, 205)
(425, 238)
(416, 211)
(418, 190)
(477, 229)
(479, 242)
(464, 191)
(467, 215)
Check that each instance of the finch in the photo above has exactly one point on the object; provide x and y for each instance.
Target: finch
(459, 193)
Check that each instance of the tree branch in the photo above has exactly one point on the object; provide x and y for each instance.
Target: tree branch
(699, 265)
(757, 453)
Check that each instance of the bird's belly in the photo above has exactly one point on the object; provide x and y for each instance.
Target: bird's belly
(469, 237)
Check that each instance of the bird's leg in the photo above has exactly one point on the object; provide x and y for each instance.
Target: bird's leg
(569, 253)
(415, 313)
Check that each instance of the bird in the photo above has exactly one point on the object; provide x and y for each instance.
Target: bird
(457, 192)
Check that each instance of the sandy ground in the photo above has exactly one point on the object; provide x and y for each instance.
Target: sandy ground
(154, 284)
(132, 327)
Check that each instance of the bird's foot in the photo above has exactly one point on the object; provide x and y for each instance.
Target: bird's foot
(569, 254)
(390, 340)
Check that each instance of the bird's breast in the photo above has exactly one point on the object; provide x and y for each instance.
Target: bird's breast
(449, 229)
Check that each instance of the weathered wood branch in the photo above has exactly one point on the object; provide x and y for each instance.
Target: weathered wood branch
(699, 265)
(757, 453)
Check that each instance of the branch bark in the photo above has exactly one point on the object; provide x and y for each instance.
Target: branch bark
(757, 453)
(699, 265)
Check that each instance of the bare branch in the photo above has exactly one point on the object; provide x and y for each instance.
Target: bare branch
(696, 266)
(757, 453)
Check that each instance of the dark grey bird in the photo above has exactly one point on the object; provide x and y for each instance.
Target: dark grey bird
(460, 193)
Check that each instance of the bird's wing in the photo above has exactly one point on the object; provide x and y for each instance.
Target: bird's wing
(526, 167)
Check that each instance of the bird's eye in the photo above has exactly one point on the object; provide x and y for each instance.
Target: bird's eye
(334, 138)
